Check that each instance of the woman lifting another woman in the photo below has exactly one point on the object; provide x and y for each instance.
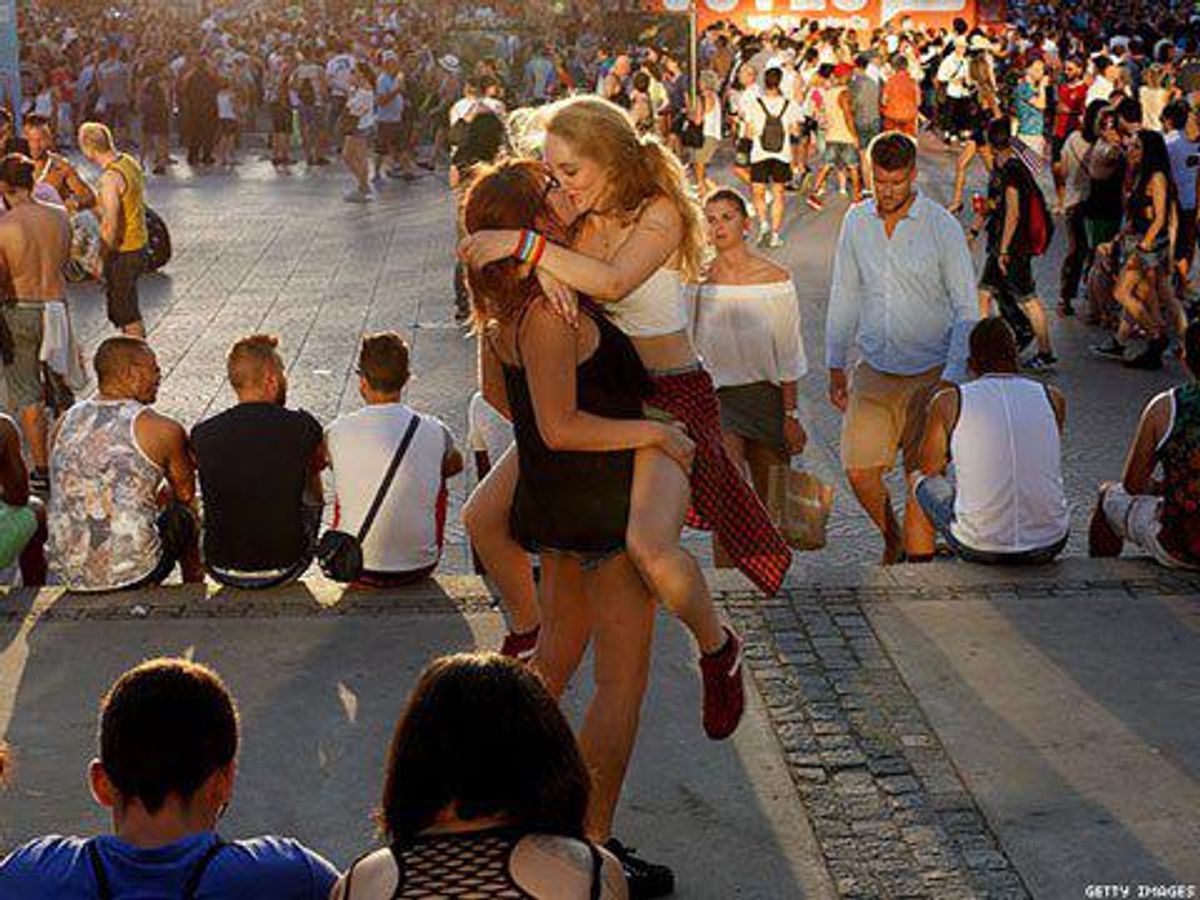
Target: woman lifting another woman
(638, 235)
(575, 443)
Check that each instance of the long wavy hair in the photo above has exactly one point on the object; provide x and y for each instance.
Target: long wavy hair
(639, 168)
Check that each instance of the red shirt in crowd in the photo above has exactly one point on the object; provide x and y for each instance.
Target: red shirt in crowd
(1068, 112)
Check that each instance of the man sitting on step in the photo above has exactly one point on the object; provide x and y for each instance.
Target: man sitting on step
(1003, 433)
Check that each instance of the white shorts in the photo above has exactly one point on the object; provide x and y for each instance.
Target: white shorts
(1136, 518)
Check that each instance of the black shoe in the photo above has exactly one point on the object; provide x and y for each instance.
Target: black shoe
(646, 879)
(1041, 362)
(1150, 359)
(1110, 349)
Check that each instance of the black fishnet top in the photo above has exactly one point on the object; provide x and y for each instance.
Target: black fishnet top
(469, 866)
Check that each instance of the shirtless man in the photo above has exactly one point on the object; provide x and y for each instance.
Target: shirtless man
(53, 169)
(35, 240)
(123, 234)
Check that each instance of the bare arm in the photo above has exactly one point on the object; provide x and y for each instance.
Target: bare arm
(14, 477)
(935, 444)
(111, 185)
(1138, 476)
(650, 245)
(1012, 215)
(82, 194)
(491, 378)
(1158, 201)
(549, 349)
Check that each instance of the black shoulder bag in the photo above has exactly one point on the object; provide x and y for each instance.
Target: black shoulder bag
(340, 553)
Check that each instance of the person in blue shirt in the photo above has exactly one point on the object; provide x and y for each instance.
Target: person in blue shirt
(903, 299)
(166, 770)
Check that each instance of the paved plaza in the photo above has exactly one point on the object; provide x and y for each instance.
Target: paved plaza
(257, 251)
(937, 731)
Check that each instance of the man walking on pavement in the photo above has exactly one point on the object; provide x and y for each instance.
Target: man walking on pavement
(903, 293)
(123, 234)
(35, 242)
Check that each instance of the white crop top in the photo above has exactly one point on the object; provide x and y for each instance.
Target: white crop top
(655, 308)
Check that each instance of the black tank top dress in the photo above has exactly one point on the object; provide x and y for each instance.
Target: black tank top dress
(575, 501)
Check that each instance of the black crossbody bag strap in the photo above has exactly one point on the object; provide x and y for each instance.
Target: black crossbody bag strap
(102, 884)
(597, 871)
(193, 882)
(387, 479)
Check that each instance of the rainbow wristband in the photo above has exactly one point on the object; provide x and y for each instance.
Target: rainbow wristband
(522, 239)
(538, 249)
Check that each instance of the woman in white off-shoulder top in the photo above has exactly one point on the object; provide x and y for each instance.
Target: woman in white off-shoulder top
(746, 327)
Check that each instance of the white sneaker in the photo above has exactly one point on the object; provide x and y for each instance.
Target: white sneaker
(354, 195)
(775, 240)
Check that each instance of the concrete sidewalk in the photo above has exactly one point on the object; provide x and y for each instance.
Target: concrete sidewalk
(935, 731)
(320, 682)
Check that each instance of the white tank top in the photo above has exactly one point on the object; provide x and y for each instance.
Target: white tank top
(1008, 463)
(655, 308)
(712, 121)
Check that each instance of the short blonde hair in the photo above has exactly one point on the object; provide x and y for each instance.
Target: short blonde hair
(251, 359)
(95, 136)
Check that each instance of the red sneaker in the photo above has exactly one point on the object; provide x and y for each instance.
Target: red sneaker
(520, 646)
(724, 693)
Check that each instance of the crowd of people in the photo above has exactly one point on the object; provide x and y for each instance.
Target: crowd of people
(601, 231)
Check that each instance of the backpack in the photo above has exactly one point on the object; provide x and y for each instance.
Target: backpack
(774, 135)
(1039, 225)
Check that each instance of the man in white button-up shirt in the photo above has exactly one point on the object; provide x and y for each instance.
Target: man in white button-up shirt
(904, 294)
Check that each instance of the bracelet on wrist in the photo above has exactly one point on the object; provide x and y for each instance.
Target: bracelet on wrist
(539, 247)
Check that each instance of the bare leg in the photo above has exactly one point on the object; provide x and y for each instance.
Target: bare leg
(758, 193)
(1126, 294)
(657, 507)
(33, 426)
(872, 494)
(485, 517)
(778, 200)
(961, 168)
(760, 459)
(1041, 325)
(567, 627)
(622, 617)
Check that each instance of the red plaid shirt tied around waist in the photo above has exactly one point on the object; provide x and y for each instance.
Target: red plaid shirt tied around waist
(722, 499)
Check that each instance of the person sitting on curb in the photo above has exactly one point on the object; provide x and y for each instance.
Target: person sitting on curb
(113, 452)
(404, 543)
(1159, 514)
(166, 771)
(260, 473)
(22, 516)
(503, 812)
(1003, 432)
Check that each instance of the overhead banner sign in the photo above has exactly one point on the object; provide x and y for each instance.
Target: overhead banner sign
(757, 15)
(10, 64)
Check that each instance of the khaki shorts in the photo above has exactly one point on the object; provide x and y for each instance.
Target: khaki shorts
(885, 413)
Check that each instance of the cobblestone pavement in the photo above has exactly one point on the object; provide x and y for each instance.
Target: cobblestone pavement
(259, 251)
(885, 801)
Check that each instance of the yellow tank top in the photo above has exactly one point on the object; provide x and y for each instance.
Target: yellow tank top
(133, 204)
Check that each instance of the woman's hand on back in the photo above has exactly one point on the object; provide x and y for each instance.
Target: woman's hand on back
(673, 440)
(562, 298)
